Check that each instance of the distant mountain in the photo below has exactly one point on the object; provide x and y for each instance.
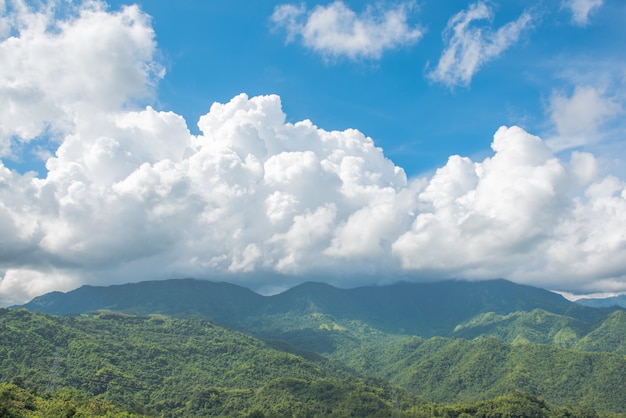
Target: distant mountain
(604, 302)
(425, 309)
(452, 341)
(181, 297)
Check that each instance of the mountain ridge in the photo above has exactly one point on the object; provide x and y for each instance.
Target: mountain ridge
(619, 300)
(425, 309)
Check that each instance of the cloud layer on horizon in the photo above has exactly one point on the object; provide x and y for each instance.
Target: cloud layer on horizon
(131, 194)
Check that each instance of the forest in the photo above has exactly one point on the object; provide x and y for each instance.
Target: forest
(308, 357)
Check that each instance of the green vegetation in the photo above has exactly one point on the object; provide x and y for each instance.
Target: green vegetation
(288, 398)
(17, 402)
(156, 365)
(313, 351)
(515, 404)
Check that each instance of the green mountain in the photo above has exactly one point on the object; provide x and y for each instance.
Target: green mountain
(157, 365)
(608, 336)
(425, 309)
(182, 297)
(307, 350)
(449, 370)
(537, 326)
(112, 364)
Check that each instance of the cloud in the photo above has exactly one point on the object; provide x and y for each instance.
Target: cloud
(578, 119)
(581, 9)
(256, 199)
(90, 61)
(336, 31)
(131, 194)
(469, 48)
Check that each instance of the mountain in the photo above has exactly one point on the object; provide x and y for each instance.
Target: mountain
(608, 336)
(425, 309)
(192, 347)
(181, 297)
(604, 302)
(537, 326)
(156, 365)
(163, 366)
(457, 370)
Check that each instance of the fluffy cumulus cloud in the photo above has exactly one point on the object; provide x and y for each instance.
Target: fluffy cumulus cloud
(337, 31)
(581, 9)
(131, 194)
(469, 47)
(54, 70)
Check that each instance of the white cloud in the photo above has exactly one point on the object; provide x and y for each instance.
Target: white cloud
(131, 194)
(581, 9)
(254, 195)
(578, 119)
(522, 214)
(21, 284)
(88, 62)
(336, 31)
(469, 48)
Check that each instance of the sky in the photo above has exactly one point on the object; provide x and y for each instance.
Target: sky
(351, 142)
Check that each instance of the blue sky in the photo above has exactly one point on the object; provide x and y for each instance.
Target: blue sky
(268, 143)
(213, 51)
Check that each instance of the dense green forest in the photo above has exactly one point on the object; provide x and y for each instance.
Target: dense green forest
(313, 351)
(163, 366)
(16, 401)
(167, 366)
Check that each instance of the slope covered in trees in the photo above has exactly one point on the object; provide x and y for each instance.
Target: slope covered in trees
(166, 366)
(321, 351)
(157, 365)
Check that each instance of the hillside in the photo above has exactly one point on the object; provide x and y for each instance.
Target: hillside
(160, 366)
(156, 365)
(441, 342)
(448, 370)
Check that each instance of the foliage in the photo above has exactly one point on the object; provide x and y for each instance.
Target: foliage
(157, 365)
(19, 402)
(537, 326)
(609, 335)
(305, 352)
(514, 405)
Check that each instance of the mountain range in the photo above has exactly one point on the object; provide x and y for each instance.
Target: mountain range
(424, 309)
(443, 342)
